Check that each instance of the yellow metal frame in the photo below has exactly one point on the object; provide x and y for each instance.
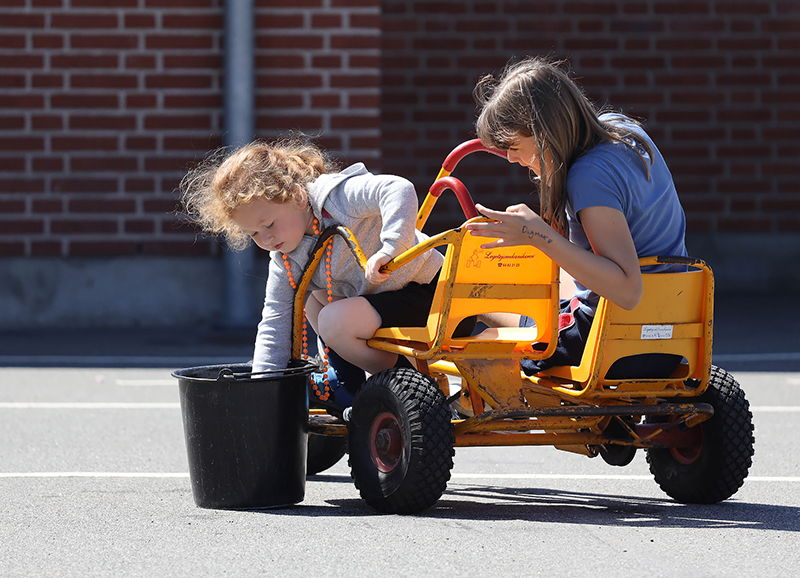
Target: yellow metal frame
(567, 407)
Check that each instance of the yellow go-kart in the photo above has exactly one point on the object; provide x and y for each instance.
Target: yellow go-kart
(695, 425)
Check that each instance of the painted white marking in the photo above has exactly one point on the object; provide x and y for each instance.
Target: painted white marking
(775, 408)
(147, 382)
(600, 477)
(92, 475)
(103, 360)
(773, 479)
(725, 357)
(88, 405)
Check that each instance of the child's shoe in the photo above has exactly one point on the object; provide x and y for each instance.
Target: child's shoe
(335, 398)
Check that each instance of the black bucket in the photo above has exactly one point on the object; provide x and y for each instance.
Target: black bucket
(246, 434)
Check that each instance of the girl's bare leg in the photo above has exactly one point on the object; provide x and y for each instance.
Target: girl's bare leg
(346, 325)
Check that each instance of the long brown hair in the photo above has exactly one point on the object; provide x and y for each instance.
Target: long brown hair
(536, 97)
(226, 179)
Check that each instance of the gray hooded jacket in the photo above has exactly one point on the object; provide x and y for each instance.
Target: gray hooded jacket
(381, 211)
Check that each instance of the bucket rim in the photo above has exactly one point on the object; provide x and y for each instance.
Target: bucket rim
(231, 372)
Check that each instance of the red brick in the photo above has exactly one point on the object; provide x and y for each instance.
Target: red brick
(15, 164)
(179, 42)
(12, 249)
(167, 163)
(101, 248)
(159, 206)
(144, 61)
(14, 206)
(104, 3)
(51, 164)
(289, 122)
(12, 41)
(140, 226)
(326, 21)
(267, 23)
(27, 61)
(47, 81)
(140, 143)
(140, 100)
(102, 122)
(205, 101)
(12, 122)
(183, 81)
(22, 143)
(211, 62)
(21, 185)
(296, 81)
(84, 185)
(289, 42)
(78, 21)
(103, 164)
(93, 61)
(46, 122)
(21, 227)
(289, 3)
(12, 80)
(175, 121)
(139, 185)
(71, 143)
(48, 206)
(192, 21)
(108, 42)
(363, 80)
(139, 20)
(95, 205)
(22, 20)
(104, 81)
(45, 249)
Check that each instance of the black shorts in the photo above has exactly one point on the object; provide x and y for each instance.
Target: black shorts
(410, 306)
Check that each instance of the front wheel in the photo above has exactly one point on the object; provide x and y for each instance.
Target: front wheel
(716, 463)
(401, 442)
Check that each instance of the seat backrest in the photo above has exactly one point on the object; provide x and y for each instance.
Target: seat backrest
(520, 280)
(474, 281)
(674, 316)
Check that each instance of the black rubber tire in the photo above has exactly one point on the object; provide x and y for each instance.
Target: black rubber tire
(401, 442)
(717, 466)
(324, 452)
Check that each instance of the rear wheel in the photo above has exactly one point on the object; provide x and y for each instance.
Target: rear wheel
(401, 442)
(713, 466)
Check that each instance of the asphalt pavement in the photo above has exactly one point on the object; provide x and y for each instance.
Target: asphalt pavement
(95, 481)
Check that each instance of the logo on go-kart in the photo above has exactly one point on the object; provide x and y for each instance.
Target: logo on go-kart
(497, 259)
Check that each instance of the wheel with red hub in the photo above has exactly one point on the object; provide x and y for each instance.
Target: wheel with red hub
(401, 441)
(716, 455)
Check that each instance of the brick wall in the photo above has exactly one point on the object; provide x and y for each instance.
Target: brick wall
(717, 83)
(104, 103)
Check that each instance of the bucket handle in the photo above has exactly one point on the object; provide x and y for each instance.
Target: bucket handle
(228, 373)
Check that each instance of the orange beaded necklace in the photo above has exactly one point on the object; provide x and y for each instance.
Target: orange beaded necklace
(323, 395)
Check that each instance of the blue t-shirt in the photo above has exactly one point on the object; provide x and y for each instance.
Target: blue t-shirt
(613, 175)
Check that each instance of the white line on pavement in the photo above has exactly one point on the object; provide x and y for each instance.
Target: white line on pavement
(146, 382)
(456, 476)
(88, 405)
(172, 405)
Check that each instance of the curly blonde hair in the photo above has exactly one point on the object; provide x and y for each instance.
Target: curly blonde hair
(279, 172)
